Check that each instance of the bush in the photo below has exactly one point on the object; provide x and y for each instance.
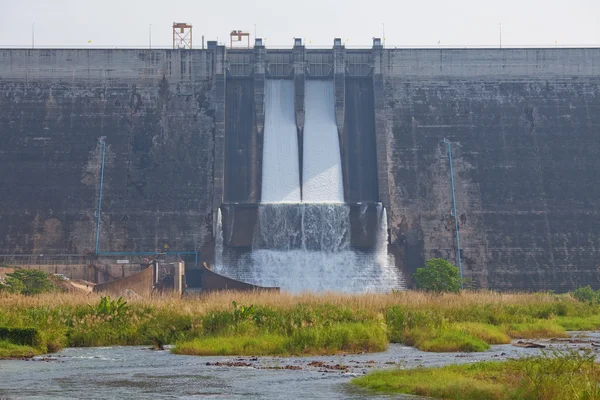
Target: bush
(587, 294)
(438, 276)
(21, 336)
(27, 282)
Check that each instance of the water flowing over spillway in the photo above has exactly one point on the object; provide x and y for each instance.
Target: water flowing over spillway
(322, 166)
(306, 247)
(280, 173)
(302, 237)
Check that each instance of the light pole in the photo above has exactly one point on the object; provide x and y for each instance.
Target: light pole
(100, 195)
(455, 215)
(33, 35)
(150, 36)
(500, 25)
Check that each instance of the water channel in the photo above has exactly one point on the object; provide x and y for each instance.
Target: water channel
(139, 373)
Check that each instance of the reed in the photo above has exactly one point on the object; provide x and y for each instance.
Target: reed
(448, 322)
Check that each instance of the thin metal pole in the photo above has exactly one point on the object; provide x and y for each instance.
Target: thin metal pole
(455, 215)
(500, 25)
(150, 36)
(100, 197)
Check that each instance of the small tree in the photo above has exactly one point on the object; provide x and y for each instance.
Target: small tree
(438, 276)
(28, 281)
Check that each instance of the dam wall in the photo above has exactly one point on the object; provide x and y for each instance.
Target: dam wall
(181, 133)
(525, 130)
(152, 114)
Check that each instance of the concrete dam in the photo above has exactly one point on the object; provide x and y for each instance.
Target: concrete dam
(309, 169)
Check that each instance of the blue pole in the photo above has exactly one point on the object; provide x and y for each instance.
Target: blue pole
(455, 215)
(100, 197)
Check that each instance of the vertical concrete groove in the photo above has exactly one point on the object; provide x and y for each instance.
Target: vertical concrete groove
(256, 142)
(299, 68)
(219, 155)
(381, 132)
(339, 87)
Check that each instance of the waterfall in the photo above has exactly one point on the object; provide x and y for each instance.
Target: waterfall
(305, 245)
(322, 164)
(280, 172)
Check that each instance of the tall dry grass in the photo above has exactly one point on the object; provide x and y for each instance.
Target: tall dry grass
(221, 301)
(414, 318)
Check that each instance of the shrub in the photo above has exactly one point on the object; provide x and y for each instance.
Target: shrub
(438, 276)
(587, 294)
(28, 282)
(108, 307)
(22, 336)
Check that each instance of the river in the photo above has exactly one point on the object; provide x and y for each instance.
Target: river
(140, 373)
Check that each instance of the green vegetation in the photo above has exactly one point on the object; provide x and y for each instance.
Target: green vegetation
(338, 338)
(27, 282)
(272, 323)
(557, 375)
(22, 336)
(438, 276)
(488, 333)
(450, 340)
(587, 294)
(536, 329)
(590, 323)
(11, 350)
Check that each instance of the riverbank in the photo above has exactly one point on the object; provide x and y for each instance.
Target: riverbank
(561, 374)
(282, 324)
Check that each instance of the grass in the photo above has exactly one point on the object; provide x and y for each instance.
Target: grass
(266, 344)
(452, 341)
(310, 323)
(11, 350)
(590, 323)
(560, 375)
(337, 338)
(535, 330)
(488, 333)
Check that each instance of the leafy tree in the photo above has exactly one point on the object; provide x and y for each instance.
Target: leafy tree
(438, 276)
(28, 281)
(587, 294)
(11, 285)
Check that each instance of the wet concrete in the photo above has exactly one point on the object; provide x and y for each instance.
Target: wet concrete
(136, 372)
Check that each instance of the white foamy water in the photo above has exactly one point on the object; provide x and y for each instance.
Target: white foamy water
(322, 164)
(306, 247)
(280, 173)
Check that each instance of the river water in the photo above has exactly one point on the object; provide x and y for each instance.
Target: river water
(140, 373)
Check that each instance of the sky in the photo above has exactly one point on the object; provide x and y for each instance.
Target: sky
(126, 23)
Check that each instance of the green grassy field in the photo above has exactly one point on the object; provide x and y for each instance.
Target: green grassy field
(567, 375)
(283, 324)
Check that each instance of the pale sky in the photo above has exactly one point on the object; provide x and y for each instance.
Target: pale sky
(114, 23)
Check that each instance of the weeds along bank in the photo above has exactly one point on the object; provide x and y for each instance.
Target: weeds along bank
(272, 323)
(564, 375)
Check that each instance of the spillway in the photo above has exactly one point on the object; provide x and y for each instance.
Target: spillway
(280, 174)
(322, 164)
(306, 247)
(304, 244)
